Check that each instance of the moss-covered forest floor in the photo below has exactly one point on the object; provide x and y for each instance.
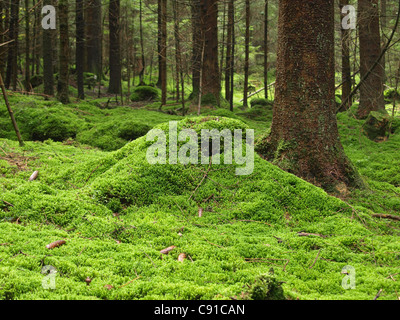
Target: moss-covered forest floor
(116, 212)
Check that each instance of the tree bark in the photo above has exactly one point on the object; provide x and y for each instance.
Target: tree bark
(48, 71)
(115, 49)
(346, 69)
(92, 44)
(80, 47)
(383, 27)
(305, 95)
(211, 85)
(371, 91)
(197, 48)
(229, 59)
(266, 49)
(3, 37)
(12, 62)
(247, 53)
(27, 48)
(163, 53)
(141, 73)
(63, 76)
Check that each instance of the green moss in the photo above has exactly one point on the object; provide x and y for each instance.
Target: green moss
(260, 102)
(145, 93)
(266, 287)
(116, 212)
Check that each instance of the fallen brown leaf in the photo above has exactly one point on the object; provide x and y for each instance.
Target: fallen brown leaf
(55, 244)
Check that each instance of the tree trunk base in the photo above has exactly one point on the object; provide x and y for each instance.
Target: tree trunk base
(328, 170)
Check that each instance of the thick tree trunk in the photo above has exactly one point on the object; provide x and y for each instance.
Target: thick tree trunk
(63, 76)
(211, 85)
(305, 95)
(371, 91)
(80, 47)
(246, 55)
(346, 70)
(48, 71)
(92, 42)
(115, 49)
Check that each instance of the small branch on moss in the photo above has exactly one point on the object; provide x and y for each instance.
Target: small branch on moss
(7, 203)
(149, 258)
(378, 294)
(91, 174)
(305, 234)
(201, 182)
(255, 221)
(128, 282)
(386, 216)
(316, 258)
(214, 244)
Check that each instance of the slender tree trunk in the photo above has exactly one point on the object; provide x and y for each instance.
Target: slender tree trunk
(163, 53)
(247, 53)
(371, 91)
(141, 73)
(37, 48)
(223, 43)
(177, 48)
(115, 49)
(10, 112)
(3, 37)
(27, 48)
(266, 49)
(63, 77)
(383, 27)
(80, 47)
(159, 40)
(229, 40)
(346, 70)
(48, 71)
(305, 94)
(232, 66)
(12, 63)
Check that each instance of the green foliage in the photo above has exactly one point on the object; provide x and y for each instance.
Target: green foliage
(390, 94)
(145, 93)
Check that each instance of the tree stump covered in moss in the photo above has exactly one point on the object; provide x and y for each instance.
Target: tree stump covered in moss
(376, 125)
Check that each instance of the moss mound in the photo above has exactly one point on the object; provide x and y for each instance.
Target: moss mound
(260, 102)
(116, 212)
(376, 125)
(145, 93)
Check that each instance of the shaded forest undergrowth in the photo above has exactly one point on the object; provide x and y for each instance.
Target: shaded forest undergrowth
(116, 212)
